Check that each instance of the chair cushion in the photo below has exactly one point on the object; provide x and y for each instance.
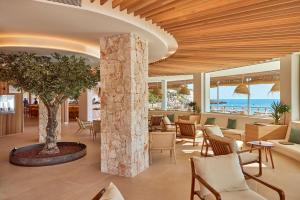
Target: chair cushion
(223, 173)
(167, 122)
(238, 195)
(295, 136)
(247, 157)
(214, 130)
(231, 124)
(112, 193)
(199, 133)
(234, 146)
(210, 121)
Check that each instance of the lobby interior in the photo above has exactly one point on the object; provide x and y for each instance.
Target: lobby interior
(155, 48)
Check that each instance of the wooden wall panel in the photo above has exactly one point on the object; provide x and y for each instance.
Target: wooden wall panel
(12, 123)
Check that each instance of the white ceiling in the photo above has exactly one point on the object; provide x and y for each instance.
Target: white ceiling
(85, 24)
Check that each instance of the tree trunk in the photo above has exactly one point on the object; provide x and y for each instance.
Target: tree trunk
(51, 138)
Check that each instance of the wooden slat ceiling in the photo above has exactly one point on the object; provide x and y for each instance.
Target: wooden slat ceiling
(219, 34)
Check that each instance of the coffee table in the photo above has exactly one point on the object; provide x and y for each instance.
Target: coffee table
(267, 146)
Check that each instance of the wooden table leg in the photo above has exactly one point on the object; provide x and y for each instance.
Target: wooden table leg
(266, 152)
(251, 148)
(270, 152)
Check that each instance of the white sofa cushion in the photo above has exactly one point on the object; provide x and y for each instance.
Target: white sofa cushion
(292, 151)
(223, 173)
(235, 145)
(238, 195)
(112, 193)
(222, 119)
(233, 132)
(213, 130)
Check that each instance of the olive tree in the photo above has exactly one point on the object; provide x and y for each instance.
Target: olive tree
(53, 79)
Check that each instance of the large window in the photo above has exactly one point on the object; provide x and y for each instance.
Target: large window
(224, 99)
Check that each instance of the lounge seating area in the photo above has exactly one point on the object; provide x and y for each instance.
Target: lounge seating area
(163, 180)
(288, 146)
(149, 100)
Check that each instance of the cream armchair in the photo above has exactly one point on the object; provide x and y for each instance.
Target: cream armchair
(163, 141)
(214, 130)
(222, 178)
(223, 146)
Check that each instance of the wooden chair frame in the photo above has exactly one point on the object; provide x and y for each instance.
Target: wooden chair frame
(217, 194)
(171, 149)
(187, 130)
(99, 194)
(223, 148)
(84, 125)
(155, 122)
(205, 143)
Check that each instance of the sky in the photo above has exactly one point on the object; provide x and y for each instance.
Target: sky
(260, 91)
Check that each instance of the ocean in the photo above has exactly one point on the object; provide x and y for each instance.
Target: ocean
(257, 105)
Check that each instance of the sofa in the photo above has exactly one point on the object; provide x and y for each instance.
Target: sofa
(292, 151)
(239, 132)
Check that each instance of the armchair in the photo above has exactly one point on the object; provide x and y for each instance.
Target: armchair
(84, 125)
(224, 146)
(163, 141)
(167, 125)
(155, 122)
(188, 130)
(220, 185)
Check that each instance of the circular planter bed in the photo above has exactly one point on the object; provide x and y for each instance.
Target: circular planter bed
(29, 155)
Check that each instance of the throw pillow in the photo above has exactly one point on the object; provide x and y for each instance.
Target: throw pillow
(231, 124)
(112, 193)
(167, 122)
(210, 121)
(214, 130)
(234, 145)
(295, 136)
(171, 117)
(223, 173)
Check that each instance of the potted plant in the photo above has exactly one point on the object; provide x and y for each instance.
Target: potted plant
(193, 105)
(279, 109)
(284, 108)
(53, 79)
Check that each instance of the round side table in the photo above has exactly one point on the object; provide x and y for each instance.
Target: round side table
(266, 146)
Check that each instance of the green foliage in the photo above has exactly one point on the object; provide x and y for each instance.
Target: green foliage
(278, 109)
(53, 79)
(194, 106)
(153, 98)
(284, 108)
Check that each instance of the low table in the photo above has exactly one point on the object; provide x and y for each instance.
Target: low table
(267, 146)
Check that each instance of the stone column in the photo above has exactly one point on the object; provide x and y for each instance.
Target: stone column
(164, 89)
(289, 84)
(124, 105)
(198, 81)
(43, 119)
(86, 106)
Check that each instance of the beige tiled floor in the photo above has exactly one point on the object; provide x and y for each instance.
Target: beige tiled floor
(82, 179)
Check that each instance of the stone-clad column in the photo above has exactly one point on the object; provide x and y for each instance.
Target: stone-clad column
(43, 119)
(124, 105)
